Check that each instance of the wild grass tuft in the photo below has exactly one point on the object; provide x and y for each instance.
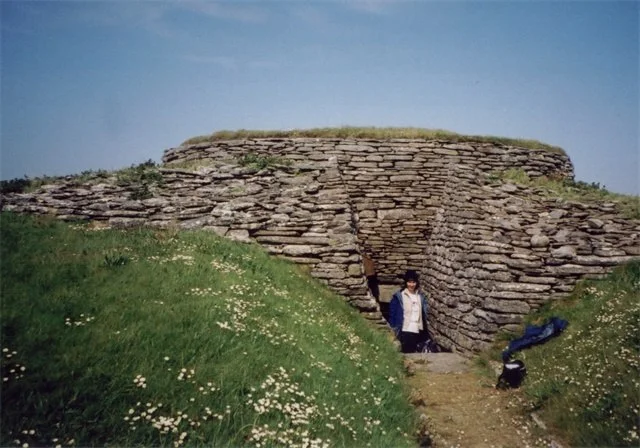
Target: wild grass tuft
(569, 189)
(586, 382)
(194, 165)
(29, 184)
(115, 260)
(261, 162)
(194, 341)
(371, 133)
(143, 176)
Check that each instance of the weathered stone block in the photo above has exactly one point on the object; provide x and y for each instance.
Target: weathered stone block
(595, 223)
(589, 260)
(539, 280)
(355, 270)
(328, 274)
(300, 250)
(295, 240)
(609, 252)
(404, 178)
(564, 252)
(557, 214)
(632, 250)
(238, 235)
(400, 214)
(522, 287)
(539, 241)
(506, 306)
(574, 269)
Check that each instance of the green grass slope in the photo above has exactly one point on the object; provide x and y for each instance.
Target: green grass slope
(149, 338)
(585, 383)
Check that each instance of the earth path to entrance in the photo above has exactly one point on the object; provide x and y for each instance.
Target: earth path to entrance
(460, 408)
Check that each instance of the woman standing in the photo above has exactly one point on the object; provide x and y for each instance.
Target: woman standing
(408, 313)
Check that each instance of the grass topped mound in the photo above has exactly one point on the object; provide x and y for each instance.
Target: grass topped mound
(159, 338)
(372, 133)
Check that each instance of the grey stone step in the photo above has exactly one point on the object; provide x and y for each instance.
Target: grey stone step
(438, 362)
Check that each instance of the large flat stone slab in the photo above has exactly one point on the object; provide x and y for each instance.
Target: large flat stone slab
(438, 362)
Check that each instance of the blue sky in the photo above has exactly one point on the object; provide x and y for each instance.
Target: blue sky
(103, 85)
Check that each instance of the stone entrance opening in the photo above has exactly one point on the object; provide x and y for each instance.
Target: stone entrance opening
(383, 292)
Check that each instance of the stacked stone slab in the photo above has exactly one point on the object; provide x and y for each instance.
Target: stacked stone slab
(488, 253)
(498, 252)
(394, 185)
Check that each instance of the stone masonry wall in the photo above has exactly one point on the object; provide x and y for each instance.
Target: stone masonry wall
(394, 186)
(487, 253)
(500, 251)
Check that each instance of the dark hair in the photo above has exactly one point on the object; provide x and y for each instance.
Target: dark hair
(411, 275)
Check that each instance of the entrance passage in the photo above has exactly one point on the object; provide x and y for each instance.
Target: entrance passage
(383, 292)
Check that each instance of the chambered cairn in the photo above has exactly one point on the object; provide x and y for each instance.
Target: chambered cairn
(359, 212)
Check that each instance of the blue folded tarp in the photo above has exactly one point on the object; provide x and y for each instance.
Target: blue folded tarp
(535, 334)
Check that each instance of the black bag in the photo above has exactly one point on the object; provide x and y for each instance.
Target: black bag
(513, 372)
(429, 346)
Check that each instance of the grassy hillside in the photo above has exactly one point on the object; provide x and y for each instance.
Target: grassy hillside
(149, 338)
(585, 383)
(373, 133)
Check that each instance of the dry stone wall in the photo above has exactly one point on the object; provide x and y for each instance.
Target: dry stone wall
(394, 186)
(487, 253)
(499, 251)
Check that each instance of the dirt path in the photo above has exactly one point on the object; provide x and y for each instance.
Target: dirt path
(462, 409)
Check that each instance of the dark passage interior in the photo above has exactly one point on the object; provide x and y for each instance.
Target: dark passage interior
(383, 294)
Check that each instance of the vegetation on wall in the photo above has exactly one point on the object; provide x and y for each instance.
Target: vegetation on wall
(16, 185)
(261, 162)
(194, 165)
(166, 338)
(141, 177)
(28, 184)
(570, 189)
(372, 133)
